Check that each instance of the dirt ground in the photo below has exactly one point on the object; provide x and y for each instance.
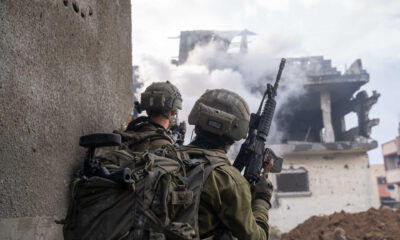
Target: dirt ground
(373, 224)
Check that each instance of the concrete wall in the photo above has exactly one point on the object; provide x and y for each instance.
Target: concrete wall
(65, 71)
(337, 182)
(377, 170)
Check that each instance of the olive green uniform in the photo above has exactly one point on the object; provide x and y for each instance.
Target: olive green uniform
(226, 201)
(145, 135)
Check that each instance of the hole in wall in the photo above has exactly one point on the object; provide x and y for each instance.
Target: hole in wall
(90, 11)
(75, 6)
(390, 187)
(351, 120)
(65, 3)
(82, 14)
(234, 46)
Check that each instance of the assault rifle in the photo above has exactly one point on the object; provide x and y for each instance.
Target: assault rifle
(253, 155)
(178, 131)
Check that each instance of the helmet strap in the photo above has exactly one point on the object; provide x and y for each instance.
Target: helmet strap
(167, 116)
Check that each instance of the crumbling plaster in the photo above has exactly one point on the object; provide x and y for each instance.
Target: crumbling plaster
(337, 182)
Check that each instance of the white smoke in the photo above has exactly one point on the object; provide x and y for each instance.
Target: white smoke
(208, 67)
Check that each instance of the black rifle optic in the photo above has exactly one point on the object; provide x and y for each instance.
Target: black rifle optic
(253, 155)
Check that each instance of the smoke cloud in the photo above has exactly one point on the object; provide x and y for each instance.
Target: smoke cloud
(208, 67)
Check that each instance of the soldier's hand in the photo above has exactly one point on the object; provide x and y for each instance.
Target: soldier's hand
(263, 189)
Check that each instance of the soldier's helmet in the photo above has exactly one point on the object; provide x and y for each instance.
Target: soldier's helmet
(160, 97)
(221, 112)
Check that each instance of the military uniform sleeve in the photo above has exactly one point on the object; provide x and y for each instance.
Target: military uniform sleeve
(226, 198)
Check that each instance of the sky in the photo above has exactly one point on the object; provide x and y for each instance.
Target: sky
(340, 30)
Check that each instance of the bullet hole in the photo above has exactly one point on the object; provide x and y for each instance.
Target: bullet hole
(75, 6)
(346, 166)
(82, 14)
(90, 11)
(65, 3)
(33, 149)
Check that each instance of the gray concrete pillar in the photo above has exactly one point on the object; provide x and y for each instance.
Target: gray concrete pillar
(65, 71)
(329, 135)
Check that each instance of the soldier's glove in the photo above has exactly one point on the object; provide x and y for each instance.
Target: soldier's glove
(263, 192)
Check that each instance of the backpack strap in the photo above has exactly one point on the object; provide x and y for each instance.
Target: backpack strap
(192, 156)
(132, 138)
(213, 157)
(135, 123)
(159, 226)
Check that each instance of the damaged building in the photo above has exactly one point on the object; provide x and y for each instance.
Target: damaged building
(326, 166)
(188, 40)
(390, 179)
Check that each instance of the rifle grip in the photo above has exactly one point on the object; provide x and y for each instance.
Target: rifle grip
(240, 161)
(253, 170)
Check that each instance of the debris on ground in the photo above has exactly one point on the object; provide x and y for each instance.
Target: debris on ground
(374, 224)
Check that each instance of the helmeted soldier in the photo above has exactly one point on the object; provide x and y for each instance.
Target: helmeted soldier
(227, 206)
(161, 101)
(189, 192)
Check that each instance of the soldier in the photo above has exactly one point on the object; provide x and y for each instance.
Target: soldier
(190, 192)
(227, 206)
(161, 100)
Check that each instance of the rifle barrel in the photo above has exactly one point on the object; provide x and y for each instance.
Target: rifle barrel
(278, 76)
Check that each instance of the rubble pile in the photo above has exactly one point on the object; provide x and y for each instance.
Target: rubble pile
(373, 224)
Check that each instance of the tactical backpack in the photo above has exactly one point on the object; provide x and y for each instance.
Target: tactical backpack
(160, 201)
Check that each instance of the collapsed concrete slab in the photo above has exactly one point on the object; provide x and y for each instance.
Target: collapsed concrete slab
(318, 115)
(326, 167)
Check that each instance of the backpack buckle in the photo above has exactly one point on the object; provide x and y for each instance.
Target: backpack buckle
(138, 175)
(191, 163)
